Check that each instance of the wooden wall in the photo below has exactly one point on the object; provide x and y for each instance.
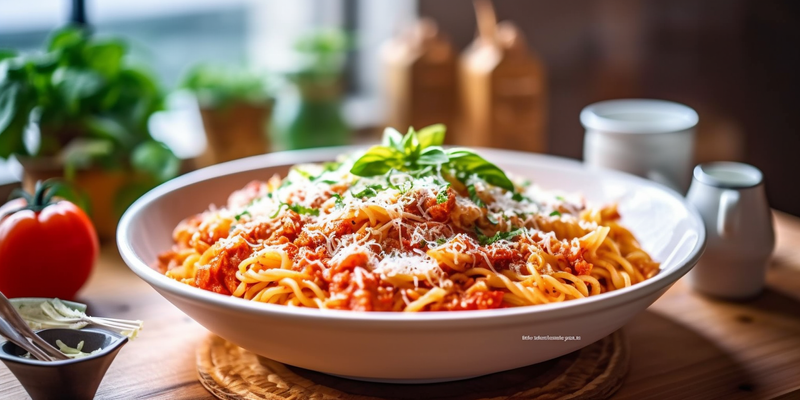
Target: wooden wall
(736, 62)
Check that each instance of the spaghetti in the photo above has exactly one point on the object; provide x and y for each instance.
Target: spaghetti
(324, 238)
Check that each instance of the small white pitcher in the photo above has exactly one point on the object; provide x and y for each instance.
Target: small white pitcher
(650, 138)
(730, 197)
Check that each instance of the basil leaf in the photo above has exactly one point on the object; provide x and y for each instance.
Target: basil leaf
(378, 160)
(76, 84)
(105, 57)
(7, 53)
(80, 153)
(474, 196)
(217, 86)
(110, 128)
(465, 160)
(432, 135)
(66, 38)
(392, 138)
(555, 213)
(17, 100)
(155, 159)
(433, 156)
(411, 147)
(8, 100)
(124, 197)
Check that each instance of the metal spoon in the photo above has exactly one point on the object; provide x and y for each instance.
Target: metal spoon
(13, 336)
(12, 317)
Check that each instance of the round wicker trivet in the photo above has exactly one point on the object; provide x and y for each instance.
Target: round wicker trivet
(595, 372)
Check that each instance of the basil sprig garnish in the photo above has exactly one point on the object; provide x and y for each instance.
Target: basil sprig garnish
(421, 153)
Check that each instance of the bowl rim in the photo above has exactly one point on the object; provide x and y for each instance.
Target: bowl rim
(287, 158)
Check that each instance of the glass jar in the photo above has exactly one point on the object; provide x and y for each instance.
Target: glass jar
(308, 113)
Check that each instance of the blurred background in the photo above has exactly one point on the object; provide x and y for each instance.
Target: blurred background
(243, 77)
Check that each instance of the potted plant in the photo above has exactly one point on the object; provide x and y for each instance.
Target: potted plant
(79, 110)
(308, 112)
(235, 105)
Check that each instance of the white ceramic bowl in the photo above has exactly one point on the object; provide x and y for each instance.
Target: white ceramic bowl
(419, 347)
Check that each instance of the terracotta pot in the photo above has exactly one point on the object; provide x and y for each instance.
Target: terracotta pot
(101, 187)
(234, 131)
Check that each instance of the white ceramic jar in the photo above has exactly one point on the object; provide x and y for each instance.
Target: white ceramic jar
(730, 197)
(650, 138)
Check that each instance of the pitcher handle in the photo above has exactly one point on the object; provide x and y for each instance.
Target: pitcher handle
(728, 203)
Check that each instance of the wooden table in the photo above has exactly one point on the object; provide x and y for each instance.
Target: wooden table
(684, 346)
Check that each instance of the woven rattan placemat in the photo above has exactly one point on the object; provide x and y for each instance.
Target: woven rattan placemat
(594, 372)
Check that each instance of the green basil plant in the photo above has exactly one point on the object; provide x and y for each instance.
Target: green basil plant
(91, 107)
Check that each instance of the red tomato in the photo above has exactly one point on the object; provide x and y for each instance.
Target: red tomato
(46, 250)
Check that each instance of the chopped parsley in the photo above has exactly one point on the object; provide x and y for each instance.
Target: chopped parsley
(369, 191)
(304, 174)
(555, 213)
(339, 201)
(330, 166)
(298, 208)
(520, 197)
(239, 216)
(442, 196)
(441, 241)
(487, 240)
(326, 167)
